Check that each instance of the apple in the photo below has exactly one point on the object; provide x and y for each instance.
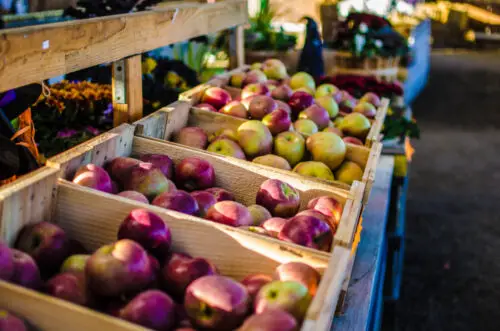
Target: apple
(94, 177)
(328, 206)
(260, 106)
(326, 147)
(306, 89)
(181, 270)
(259, 214)
(115, 187)
(118, 268)
(308, 231)
(25, 271)
(221, 194)
(256, 65)
(272, 84)
(134, 195)
(371, 98)
(337, 131)
(147, 179)
(192, 136)
(230, 213)
(299, 101)
(274, 161)
(314, 169)
(317, 114)
(182, 321)
(366, 109)
(147, 229)
(206, 106)
(274, 69)
(280, 198)
(301, 273)
(277, 121)
(75, 263)
(283, 105)
(223, 133)
(352, 140)
(69, 286)
(289, 296)
(234, 108)
(282, 92)
(6, 262)
(179, 201)
(343, 96)
(274, 225)
(10, 322)
(326, 90)
(255, 138)
(216, 97)
(254, 76)
(347, 106)
(194, 173)
(237, 79)
(254, 283)
(119, 168)
(216, 302)
(205, 200)
(302, 79)
(348, 172)
(254, 89)
(227, 147)
(356, 125)
(46, 243)
(151, 309)
(329, 104)
(314, 213)
(275, 320)
(290, 146)
(160, 161)
(305, 127)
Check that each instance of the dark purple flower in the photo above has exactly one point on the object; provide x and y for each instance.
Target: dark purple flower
(66, 133)
(92, 130)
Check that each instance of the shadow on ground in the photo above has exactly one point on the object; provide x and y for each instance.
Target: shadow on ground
(452, 264)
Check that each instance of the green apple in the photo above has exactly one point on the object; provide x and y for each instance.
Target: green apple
(227, 147)
(274, 69)
(237, 79)
(329, 104)
(223, 133)
(338, 121)
(327, 147)
(326, 90)
(356, 125)
(349, 172)
(302, 79)
(255, 138)
(290, 146)
(314, 169)
(305, 127)
(256, 65)
(274, 161)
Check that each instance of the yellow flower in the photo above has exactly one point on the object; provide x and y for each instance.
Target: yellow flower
(390, 112)
(172, 79)
(149, 65)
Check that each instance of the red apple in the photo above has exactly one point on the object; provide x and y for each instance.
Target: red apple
(234, 108)
(6, 262)
(26, 273)
(119, 268)
(119, 168)
(179, 201)
(314, 213)
(221, 194)
(147, 229)
(254, 283)
(366, 109)
(307, 231)
(282, 92)
(147, 179)
(274, 225)
(280, 198)
(277, 121)
(206, 106)
(347, 106)
(69, 286)
(194, 173)
(260, 106)
(134, 195)
(10, 322)
(254, 89)
(283, 105)
(216, 302)
(328, 206)
(371, 98)
(299, 101)
(151, 309)
(353, 140)
(216, 97)
(192, 136)
(275, 320)
(160, 161)
(254, 76)
(93, 176)
(205, 200)
(317, 114)
(301, 273)
(230, 213)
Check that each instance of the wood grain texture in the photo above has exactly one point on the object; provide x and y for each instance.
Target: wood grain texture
(359, 298)
(131, 110)
(36, 53)
(237, 47)
(375, 134)
(371, 169)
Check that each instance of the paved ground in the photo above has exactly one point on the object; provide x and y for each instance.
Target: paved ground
(452, 271)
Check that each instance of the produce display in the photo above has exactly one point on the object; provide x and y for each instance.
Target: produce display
(189, 187)
(141, 279)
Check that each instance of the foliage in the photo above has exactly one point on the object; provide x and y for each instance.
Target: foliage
(97, 8)
(358, 85)
(396, 125)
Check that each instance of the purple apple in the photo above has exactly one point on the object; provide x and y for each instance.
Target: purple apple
(314, 213)
(179, 201)
(93, 176)
(254, 283)
(299, 101)
(46, 243)
(282, 92)
(69, 286)
(181, 270)
(118, 268)
(230, 213)
(206, 106)
(6, 262)
(147, 229)
(260, 106)
(151, 309)
(119, 168)
(280, 198)
(277, 121)
(192, 136)
(221, 194)
(216, 97)
(307, 231)
(328, 206)
(259, 214)
(75, 263)
(10, 322)
(234, 108)
(160, 161)
(274, 225)
(194, 173)
(216, 302)
(205, 200)
(301, 273)
(317, 114)
(275, 320)
(254, 89)
(147, 179)
(26, 272)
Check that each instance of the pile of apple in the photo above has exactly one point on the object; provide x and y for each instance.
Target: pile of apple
(275, 213)
(139, 279)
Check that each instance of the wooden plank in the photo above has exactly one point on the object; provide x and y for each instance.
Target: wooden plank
(374, 135)
(237, 47)
(36, 53)
(130, 109)
(359, 303)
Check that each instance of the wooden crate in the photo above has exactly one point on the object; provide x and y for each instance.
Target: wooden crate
(93, 218)
(167, 121)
